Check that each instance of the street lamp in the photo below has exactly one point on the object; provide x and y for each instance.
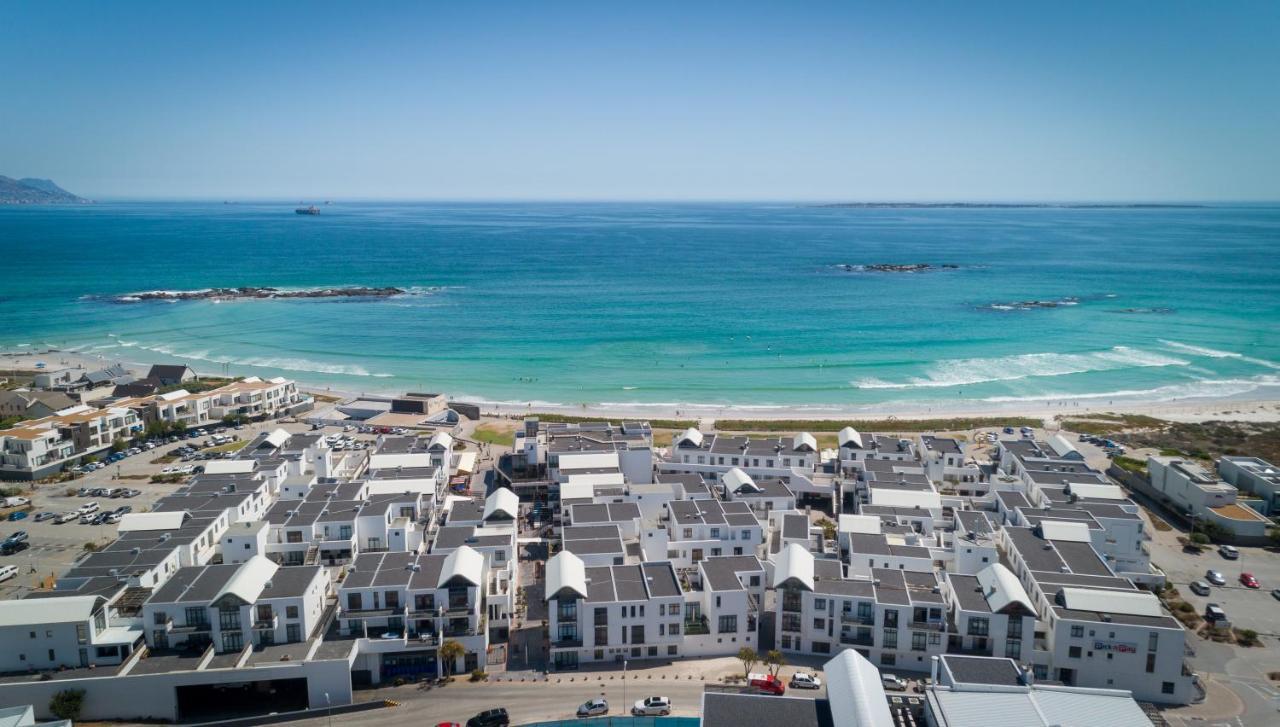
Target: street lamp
(624, 684)
(329, 708)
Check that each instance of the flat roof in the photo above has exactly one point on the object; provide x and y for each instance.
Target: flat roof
(982, 670)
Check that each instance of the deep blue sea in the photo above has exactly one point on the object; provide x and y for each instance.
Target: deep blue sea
(733, 304)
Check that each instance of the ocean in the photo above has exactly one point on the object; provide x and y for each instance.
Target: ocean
(743, 306)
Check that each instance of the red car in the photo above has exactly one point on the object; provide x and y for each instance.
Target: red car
(1249, 581)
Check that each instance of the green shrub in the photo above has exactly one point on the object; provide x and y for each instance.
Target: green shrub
(67, 703)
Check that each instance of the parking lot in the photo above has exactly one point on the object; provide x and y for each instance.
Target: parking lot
(54, 547)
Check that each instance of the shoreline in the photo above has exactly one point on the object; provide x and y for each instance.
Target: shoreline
(1244, 408)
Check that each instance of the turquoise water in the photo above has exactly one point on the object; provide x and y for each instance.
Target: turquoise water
(649, 304)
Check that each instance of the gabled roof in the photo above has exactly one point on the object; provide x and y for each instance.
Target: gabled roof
(249, 580)
(229, 466)
(441, 440)
(867, 524)
(566, 571)
(856, 692)
(849, 437)
(502, 502)
(690, 435)
(32, 611)
(1002, 589)
(466, 563)
(804, 442)
(738, 481)
(794, 562)
(276, 438)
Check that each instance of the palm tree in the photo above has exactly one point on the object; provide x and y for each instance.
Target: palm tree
(450, 652)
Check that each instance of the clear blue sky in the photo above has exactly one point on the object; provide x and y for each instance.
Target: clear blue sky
(605, 100)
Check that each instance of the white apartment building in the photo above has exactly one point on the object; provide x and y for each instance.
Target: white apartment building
(696, 529)
(611, 613)
(895, 618)
(497, 543)
(40, 634)
(254, 397)
(400, 608)
(1096, 629)
(1200, 493)
(42, 447)
(714, 455)
(991, 614)
(232, 606)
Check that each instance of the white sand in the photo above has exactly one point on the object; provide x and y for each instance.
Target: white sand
(1185, 410)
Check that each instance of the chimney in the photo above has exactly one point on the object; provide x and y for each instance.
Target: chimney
(933, 670)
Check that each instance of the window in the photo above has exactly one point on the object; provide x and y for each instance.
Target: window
(637, 635)
(290, 611)
(1074, 652)
(688, 533)
(728, 625)
(979, 626)
(1013, 649)
(918, 640)
(1166, 687)
(293, 633)
(674, 609)
(821, 647)
(159, 618)
(1015, 627)
(52, 657)
(1077, 632)
(746, 534)
(1153, 641)
(353, 604)
(674, 629)
(819, 624)
(1151, 663)
(671, 650)
(890, 639)
(197, 616)
(820, 604)
(499, 556)
(232, 641)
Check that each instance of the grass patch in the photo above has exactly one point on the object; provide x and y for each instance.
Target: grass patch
(498, 434)
(873, 425)
(326, 398)
(826, 440)
(229, 446)
(1130, 464)
(167, 459)
(1160, 525)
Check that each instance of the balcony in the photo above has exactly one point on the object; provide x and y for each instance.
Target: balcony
(195, 628)
(866, 619)
(929, 625)
(567, 642)
(696, 627)
(856, 640)
(265, 624)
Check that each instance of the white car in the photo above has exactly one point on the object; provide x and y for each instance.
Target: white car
(800, 680)
(651, 706)
(67, 517)
(892, 682)
(8, 571)
(593, 708)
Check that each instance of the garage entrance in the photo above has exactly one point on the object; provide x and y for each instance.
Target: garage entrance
(210, 702)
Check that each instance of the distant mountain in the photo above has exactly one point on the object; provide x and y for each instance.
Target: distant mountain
(35, 191)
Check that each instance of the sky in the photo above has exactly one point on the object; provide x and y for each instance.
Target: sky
(912, 101)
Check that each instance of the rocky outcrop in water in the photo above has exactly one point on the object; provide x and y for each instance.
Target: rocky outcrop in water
(247, 292)
(895, 267)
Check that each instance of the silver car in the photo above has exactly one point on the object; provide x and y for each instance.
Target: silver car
(1215, 577)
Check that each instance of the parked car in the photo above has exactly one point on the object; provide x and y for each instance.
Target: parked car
(593, 708)
(42, 516)
(124, 510)
(1228, 551)
(18, 537)
(1213, 613)
(7, 572)
(85, 492)
(1275, 593)
(490, 718)
(892, 682)
(17, 515)
(1215, 577)
(10, 547)
(651, 706)
(66, 517)
(1248, 581)
(110, 518)
(1200, 588)
(801, 680)
(767, 683)
(16, 501)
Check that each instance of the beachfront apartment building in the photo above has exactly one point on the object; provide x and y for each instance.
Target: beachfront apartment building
(26, 404)
(1257, 477)
(539, 446)
(1197, 492)
(42, 447)
(497, 543)
(895, 618)
(55, 632)
(944, 461)
(692, 530)
(256, 397)
(762, 495)
(401, 607)
(1094, 628)
(174, 407)
(856, 448)
(613, 612)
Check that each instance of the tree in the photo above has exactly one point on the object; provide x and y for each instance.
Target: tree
(118, 445)
(1274, 534)
(1200, 538)
(67, 703)
(450, 652)
(749, 658)
(775, 660)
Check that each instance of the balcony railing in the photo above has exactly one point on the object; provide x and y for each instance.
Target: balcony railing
(192, 628)
(856, 640)
(566, 642)
(260, 624)
(866, 619)
(929, 625)
(696, 627)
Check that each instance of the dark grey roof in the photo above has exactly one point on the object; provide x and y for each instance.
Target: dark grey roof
(195, 584)
(722, 709)
(795, 526)
(661, 579)
(974, 521)
(867, 544)
(290, 581)
(1013, 499)
(604, 512)
(395, 569)
(982, 670)
(1082, 558)
(722, 571)
(969, 592)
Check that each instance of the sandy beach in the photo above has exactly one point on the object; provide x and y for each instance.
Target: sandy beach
(1182, 410)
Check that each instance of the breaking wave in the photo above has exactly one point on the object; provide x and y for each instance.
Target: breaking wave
(970, 371)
